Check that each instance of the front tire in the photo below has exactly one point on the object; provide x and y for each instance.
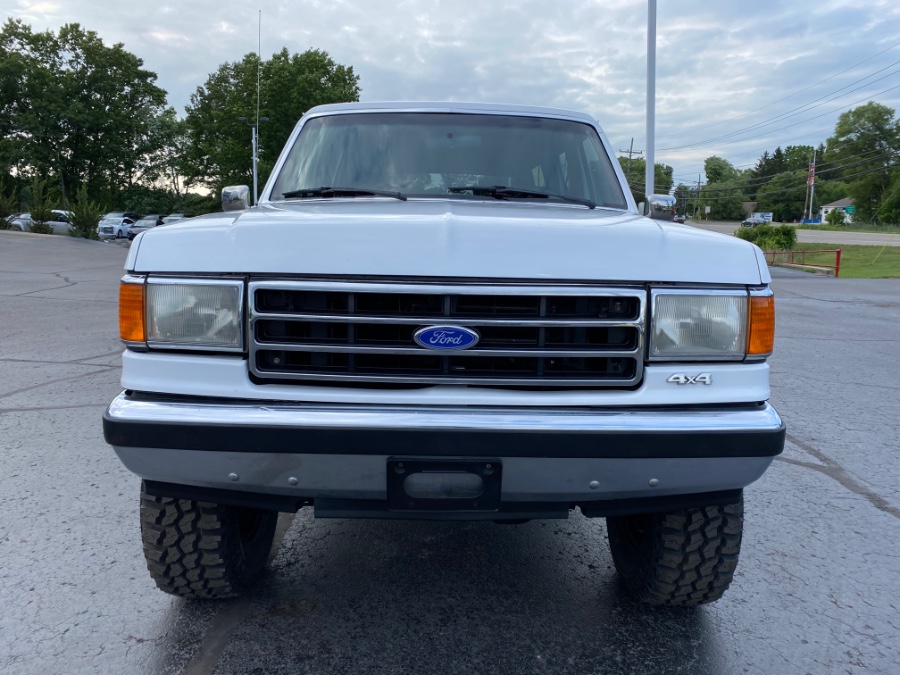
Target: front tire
(204, 550)
(677, 559)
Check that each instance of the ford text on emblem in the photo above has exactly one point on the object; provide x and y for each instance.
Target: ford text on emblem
(446, 337)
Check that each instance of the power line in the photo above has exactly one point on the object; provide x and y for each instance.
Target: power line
(800, 91)
(705, 193)
(704, 197)
(755, 162)
(861, 159)
(794, 111)
(830, 112)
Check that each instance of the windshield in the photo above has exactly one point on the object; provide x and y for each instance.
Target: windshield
(446, 155)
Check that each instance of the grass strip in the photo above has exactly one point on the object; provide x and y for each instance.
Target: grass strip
(857, 262)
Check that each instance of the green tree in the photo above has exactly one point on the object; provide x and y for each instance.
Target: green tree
(725, 200)
(799, 157)
(719, 170)
(784, 195)
(865, 146)
(686, 199)
(218, 148)
(635, 175)
(74, 110)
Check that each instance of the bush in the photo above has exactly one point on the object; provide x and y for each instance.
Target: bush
(835, 217)
(7, 206)
(85, 215)
(41, 207)
(769, 238)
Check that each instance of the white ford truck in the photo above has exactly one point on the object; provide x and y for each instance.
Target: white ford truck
(448, 312)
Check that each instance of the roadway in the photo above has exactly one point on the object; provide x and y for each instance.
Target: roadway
(813, 236)
(815, 591)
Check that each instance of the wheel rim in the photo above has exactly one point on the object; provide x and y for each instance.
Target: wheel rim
(249, 525)
(635, 530)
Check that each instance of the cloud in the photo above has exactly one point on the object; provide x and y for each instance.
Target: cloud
(717, 63)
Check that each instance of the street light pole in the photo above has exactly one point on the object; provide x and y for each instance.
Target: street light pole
(255, 165)
(254, 150)
(649, 174)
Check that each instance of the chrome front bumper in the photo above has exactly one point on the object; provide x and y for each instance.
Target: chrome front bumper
(317, 452)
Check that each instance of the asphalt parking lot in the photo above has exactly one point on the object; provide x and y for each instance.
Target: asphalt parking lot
(817, 589)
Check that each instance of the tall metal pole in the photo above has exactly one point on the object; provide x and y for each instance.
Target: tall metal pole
(258, 77)
(651, 102)
(255, 161)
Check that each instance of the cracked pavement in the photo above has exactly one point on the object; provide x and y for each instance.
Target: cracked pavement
(816, 590)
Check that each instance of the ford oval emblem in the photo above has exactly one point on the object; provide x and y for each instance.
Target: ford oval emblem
(446, 337)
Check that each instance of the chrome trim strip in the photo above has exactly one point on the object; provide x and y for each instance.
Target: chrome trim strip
(426, 288)
(421, 351)
(569, 383)
(471, 321)
(127, 409)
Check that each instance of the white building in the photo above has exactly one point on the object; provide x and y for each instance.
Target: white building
(845, 205)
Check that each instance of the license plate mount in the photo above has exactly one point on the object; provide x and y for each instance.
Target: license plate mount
(425, 484)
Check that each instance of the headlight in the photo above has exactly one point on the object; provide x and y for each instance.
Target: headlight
(182, 313)
(694, 325)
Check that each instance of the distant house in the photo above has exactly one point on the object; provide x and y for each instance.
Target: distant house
(845, 205)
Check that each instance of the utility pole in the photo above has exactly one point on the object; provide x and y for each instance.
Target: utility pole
(810, 181)
(697, 209)
(812, 185)
(631, 151)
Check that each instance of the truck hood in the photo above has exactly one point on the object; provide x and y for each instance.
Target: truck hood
(431, 238)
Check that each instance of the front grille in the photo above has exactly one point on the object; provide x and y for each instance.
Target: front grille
(548, 336)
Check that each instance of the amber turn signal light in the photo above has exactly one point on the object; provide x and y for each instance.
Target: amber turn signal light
(762, 326)
(131, 312)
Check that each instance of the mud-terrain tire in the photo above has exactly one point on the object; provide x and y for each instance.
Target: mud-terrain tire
(677, 559)
(204, 550)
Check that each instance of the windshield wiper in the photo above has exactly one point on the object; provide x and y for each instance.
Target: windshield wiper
(327, 192)
(503, 192)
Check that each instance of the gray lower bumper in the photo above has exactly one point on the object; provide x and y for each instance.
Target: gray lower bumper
(341, 452)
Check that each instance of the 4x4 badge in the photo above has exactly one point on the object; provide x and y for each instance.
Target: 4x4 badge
(681, 378)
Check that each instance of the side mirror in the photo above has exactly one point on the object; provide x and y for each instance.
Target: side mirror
(235, 198)
(658, 207)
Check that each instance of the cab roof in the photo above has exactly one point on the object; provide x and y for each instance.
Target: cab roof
(453, 107)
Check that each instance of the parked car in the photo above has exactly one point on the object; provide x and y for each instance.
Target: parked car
(144, 223)
(500, 335)
(116, 224)
(753, 222)
(173, 218)
(61, 222)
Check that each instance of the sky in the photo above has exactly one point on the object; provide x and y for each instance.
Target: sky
(734, 78)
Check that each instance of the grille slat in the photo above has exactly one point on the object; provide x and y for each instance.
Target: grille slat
(363, 333)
